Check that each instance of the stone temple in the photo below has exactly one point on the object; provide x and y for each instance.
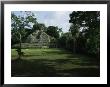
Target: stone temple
(40, 39)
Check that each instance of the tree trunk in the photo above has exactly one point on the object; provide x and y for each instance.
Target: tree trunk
(74, 48)
(20, 48)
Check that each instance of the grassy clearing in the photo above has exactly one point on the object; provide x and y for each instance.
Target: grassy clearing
(53, 63)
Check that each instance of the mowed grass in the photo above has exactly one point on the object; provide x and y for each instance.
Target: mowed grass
(53, 63)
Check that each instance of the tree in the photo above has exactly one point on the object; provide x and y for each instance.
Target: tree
(53, 31)
(74, 29)
(89, 27)
(18, 25)
(39, 26)
(66, 41)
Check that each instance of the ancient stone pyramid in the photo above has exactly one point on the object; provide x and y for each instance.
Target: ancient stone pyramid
(39, 37)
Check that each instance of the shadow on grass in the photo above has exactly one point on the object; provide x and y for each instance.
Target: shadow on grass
(57, 52)
(73, 57)
(46, 68)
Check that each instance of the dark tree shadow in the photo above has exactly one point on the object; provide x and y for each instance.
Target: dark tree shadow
(46, 68)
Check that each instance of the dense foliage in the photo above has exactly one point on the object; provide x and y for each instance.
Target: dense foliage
(53, 31)
(85, 33)
(20, 26)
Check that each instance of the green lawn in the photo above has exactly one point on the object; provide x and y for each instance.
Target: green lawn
(53, 63)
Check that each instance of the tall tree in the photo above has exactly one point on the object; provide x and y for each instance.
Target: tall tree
(18, 25)
(89, 23)
(74, 29)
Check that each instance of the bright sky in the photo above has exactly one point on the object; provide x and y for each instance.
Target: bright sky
(55, 18)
